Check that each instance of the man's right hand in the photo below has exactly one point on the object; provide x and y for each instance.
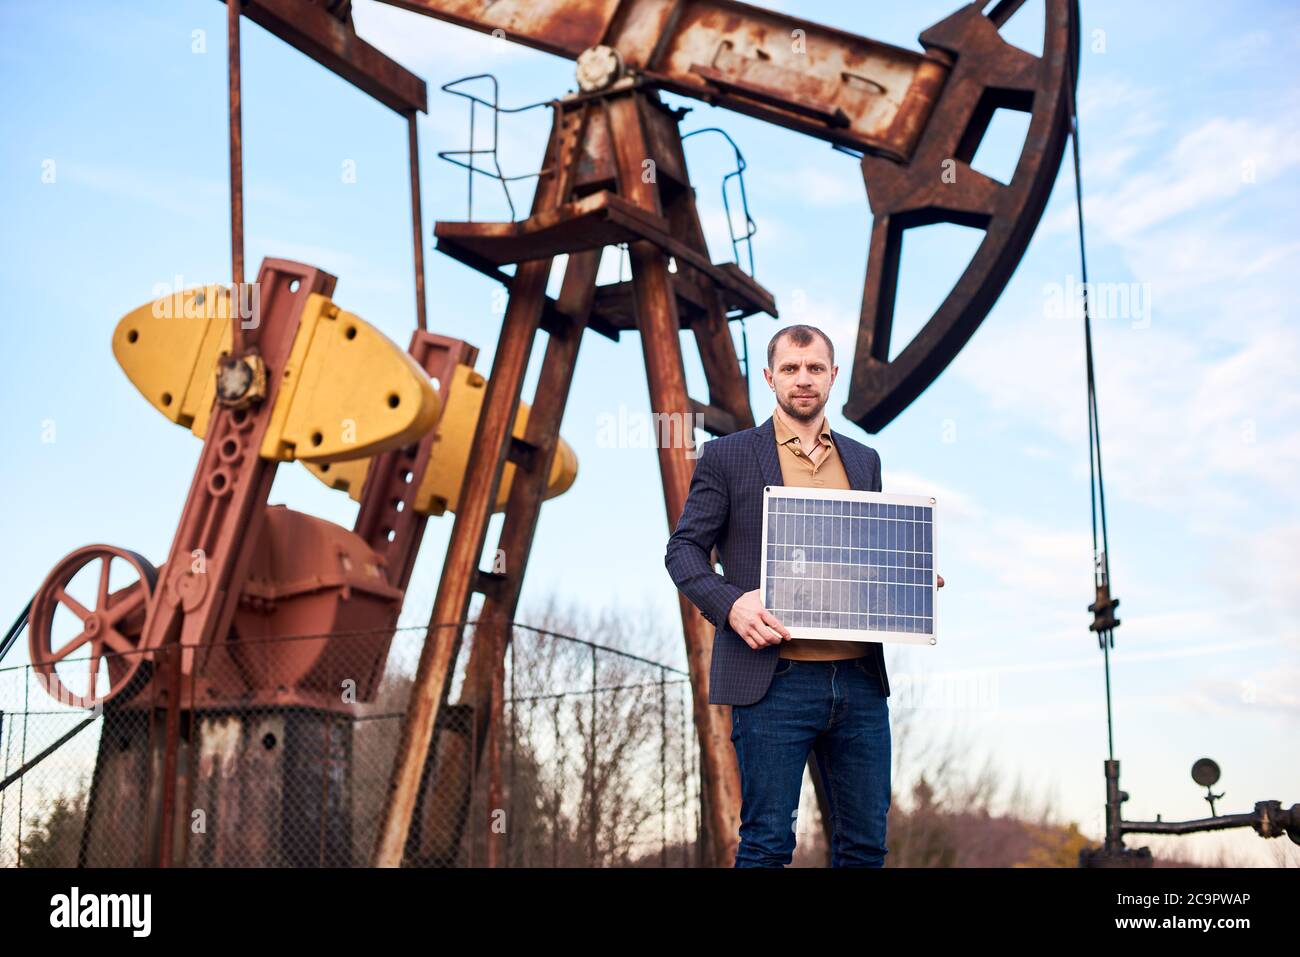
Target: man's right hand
(758, 626)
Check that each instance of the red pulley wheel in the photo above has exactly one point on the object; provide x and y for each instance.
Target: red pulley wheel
(108, 631)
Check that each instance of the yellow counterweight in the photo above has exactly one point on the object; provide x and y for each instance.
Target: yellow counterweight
(346, 394)
(347, 391)
(439, 488)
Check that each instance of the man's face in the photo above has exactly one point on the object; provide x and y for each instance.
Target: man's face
(801, 377)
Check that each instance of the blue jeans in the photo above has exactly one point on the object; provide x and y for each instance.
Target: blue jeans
(837, 709)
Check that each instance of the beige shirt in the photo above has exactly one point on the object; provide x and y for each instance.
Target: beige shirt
(818, 467)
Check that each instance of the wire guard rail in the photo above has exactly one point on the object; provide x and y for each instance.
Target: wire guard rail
(466, 158)
(750, 227)
(595, 762)
(738, 174)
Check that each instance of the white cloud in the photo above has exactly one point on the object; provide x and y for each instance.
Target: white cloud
(835, 317)
(1218, 160)
(1135, 112)
(835, 184)
(770, 231)
(1200, 409)
(1035, 572)
(957, 506)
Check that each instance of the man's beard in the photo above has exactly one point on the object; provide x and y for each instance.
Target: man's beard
(789, 409)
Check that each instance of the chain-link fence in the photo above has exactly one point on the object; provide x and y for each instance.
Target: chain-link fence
(282, 751)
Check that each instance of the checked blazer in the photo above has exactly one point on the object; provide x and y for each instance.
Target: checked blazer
(724, 507)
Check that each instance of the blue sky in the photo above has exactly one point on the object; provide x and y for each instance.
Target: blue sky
(1191, 150)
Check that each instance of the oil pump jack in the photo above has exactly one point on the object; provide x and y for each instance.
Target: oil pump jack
(614, 172)
(909, 116)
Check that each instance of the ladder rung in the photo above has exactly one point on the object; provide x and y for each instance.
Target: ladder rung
(523, 453)
(489, 583)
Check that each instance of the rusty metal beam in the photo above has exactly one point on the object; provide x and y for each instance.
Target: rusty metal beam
(716, 420)
(170, 659)
(460, 569)
(459, 577)
(656, 314)
(447, 795)
(908, 114)
(828, 83)
(553, 26)
(989, 74)
(620, 120)
(332, 42)
(485, 671)
(417, 219)
(592, 222)
(235, 122)
(385, 483)
(728, 393)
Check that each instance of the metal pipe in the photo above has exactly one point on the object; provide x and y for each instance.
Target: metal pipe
(170, 743)
(236, 175)
(417, 228)
(1221, 823)
(37, 759)
(1114, 798)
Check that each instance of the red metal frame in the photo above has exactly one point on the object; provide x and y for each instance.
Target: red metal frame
(597, 144)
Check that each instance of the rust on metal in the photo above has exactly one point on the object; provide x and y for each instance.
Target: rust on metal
(907, 113)
(819, 80)
(331, 40)
(459, 576)
(564, 29)
(601, 143)
(988, 74)
(417, 220)
(593, 222)
(167, 819)
(223, 512)
(235, 122)
(656, 313)
(241, 379)
(614, 303)
(111, 628)
(483, 692)
(196, 638)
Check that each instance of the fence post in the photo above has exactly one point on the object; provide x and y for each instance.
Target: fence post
(663, 767)
(22, 757)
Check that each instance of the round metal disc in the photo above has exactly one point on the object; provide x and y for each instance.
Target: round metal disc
(598, 67)
(1205, 772)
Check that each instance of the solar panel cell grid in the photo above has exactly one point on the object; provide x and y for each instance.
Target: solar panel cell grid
(842, 562)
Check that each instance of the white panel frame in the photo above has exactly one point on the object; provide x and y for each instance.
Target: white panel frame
(852, 495)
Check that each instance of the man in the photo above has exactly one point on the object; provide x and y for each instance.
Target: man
(787, 696)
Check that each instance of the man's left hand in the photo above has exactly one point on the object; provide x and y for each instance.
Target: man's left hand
(940, 577)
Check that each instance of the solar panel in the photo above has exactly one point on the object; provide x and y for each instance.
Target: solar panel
(849, 565)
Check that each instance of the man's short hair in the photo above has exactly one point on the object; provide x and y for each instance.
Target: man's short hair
(800, 335)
